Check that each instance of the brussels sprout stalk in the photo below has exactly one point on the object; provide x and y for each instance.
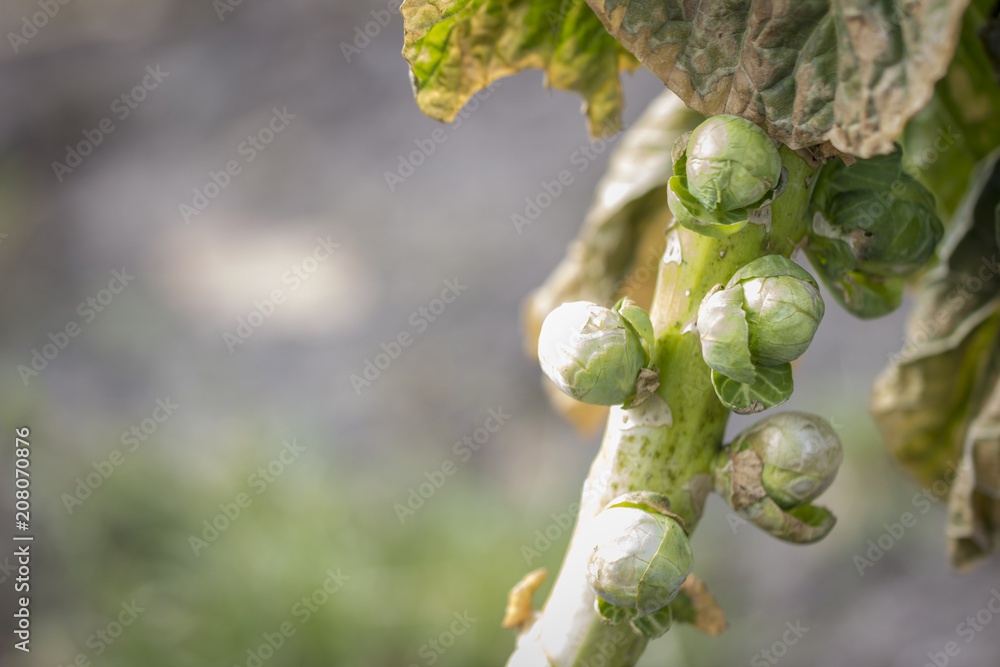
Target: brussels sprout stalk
(667, 444)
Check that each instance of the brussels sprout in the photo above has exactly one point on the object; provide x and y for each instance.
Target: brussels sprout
(766, 316)
(800, 452)
(727, 168)
(641, 557)
(598, 355)
(731, 163)
(771, 472)
(783, 308)
(871, 224)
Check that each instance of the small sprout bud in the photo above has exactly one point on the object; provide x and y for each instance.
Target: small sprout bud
(783, 308)
(595, 354)
(872, 223)
(764, 318)
(731, 163)
(772, 471)
(641, 556)
(727, 169)
(800, 452)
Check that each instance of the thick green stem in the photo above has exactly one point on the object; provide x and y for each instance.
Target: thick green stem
(667, 443)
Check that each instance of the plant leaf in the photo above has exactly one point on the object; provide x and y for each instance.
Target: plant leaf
(960, 126)
(852, 73)
(725, 334)
(921, 406)
(925, 399)
(938, 404)
(610, 613)
(639, 320)
(654, 625)
(519, 609)
(458, 47)
(694, 604)
(974, 505)
(692, 214)
(772, 386)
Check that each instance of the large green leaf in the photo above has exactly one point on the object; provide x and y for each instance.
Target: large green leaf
(848, 71)
(922, 405)
(938, 404)
(458, 47)
(960, 126)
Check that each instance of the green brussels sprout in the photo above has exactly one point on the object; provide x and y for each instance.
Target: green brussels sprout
(783, 308)
(598, 355)
(772, 471)
(766, 316)
(801, 454)
(731, 163)
(727, 168)
(641, 557)
(872, 223)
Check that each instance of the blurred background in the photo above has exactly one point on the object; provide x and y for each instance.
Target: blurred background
(199, 247)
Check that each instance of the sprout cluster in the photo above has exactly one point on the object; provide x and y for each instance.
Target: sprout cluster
(641, 558)
(750, 330)
(728, 168)
(872, 223)
(597, 355)
(775, 468)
